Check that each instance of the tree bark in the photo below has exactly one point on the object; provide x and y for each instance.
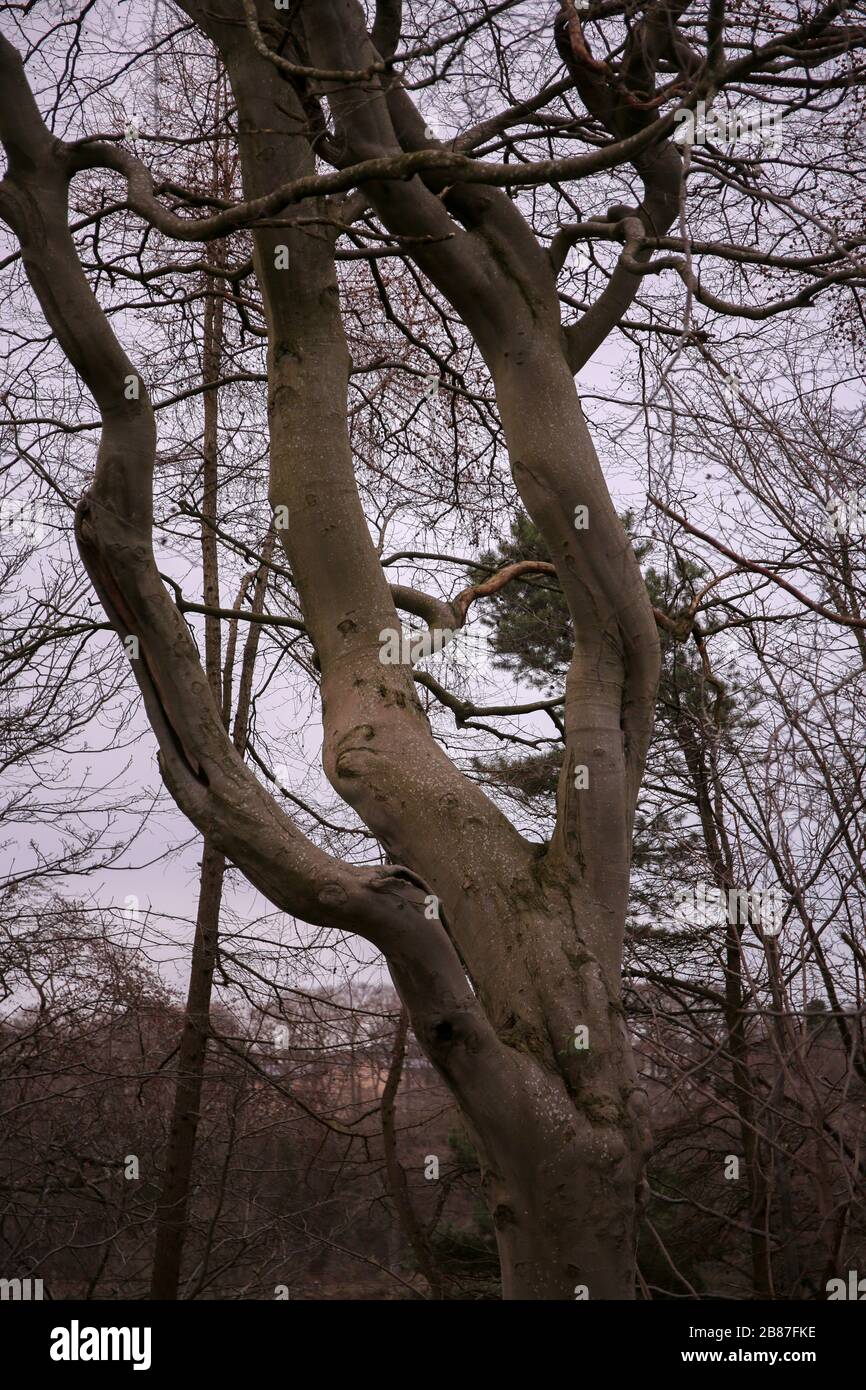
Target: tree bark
(397, 1184)
(527, 947)
(173, 1208)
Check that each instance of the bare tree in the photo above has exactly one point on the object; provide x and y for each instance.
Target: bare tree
(500, 947)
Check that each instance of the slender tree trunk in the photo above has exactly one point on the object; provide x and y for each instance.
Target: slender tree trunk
(744, 1103)
(180, 1151)
(397, 1184)
(700, 762)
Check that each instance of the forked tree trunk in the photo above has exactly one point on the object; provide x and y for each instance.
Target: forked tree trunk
(514, 992)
